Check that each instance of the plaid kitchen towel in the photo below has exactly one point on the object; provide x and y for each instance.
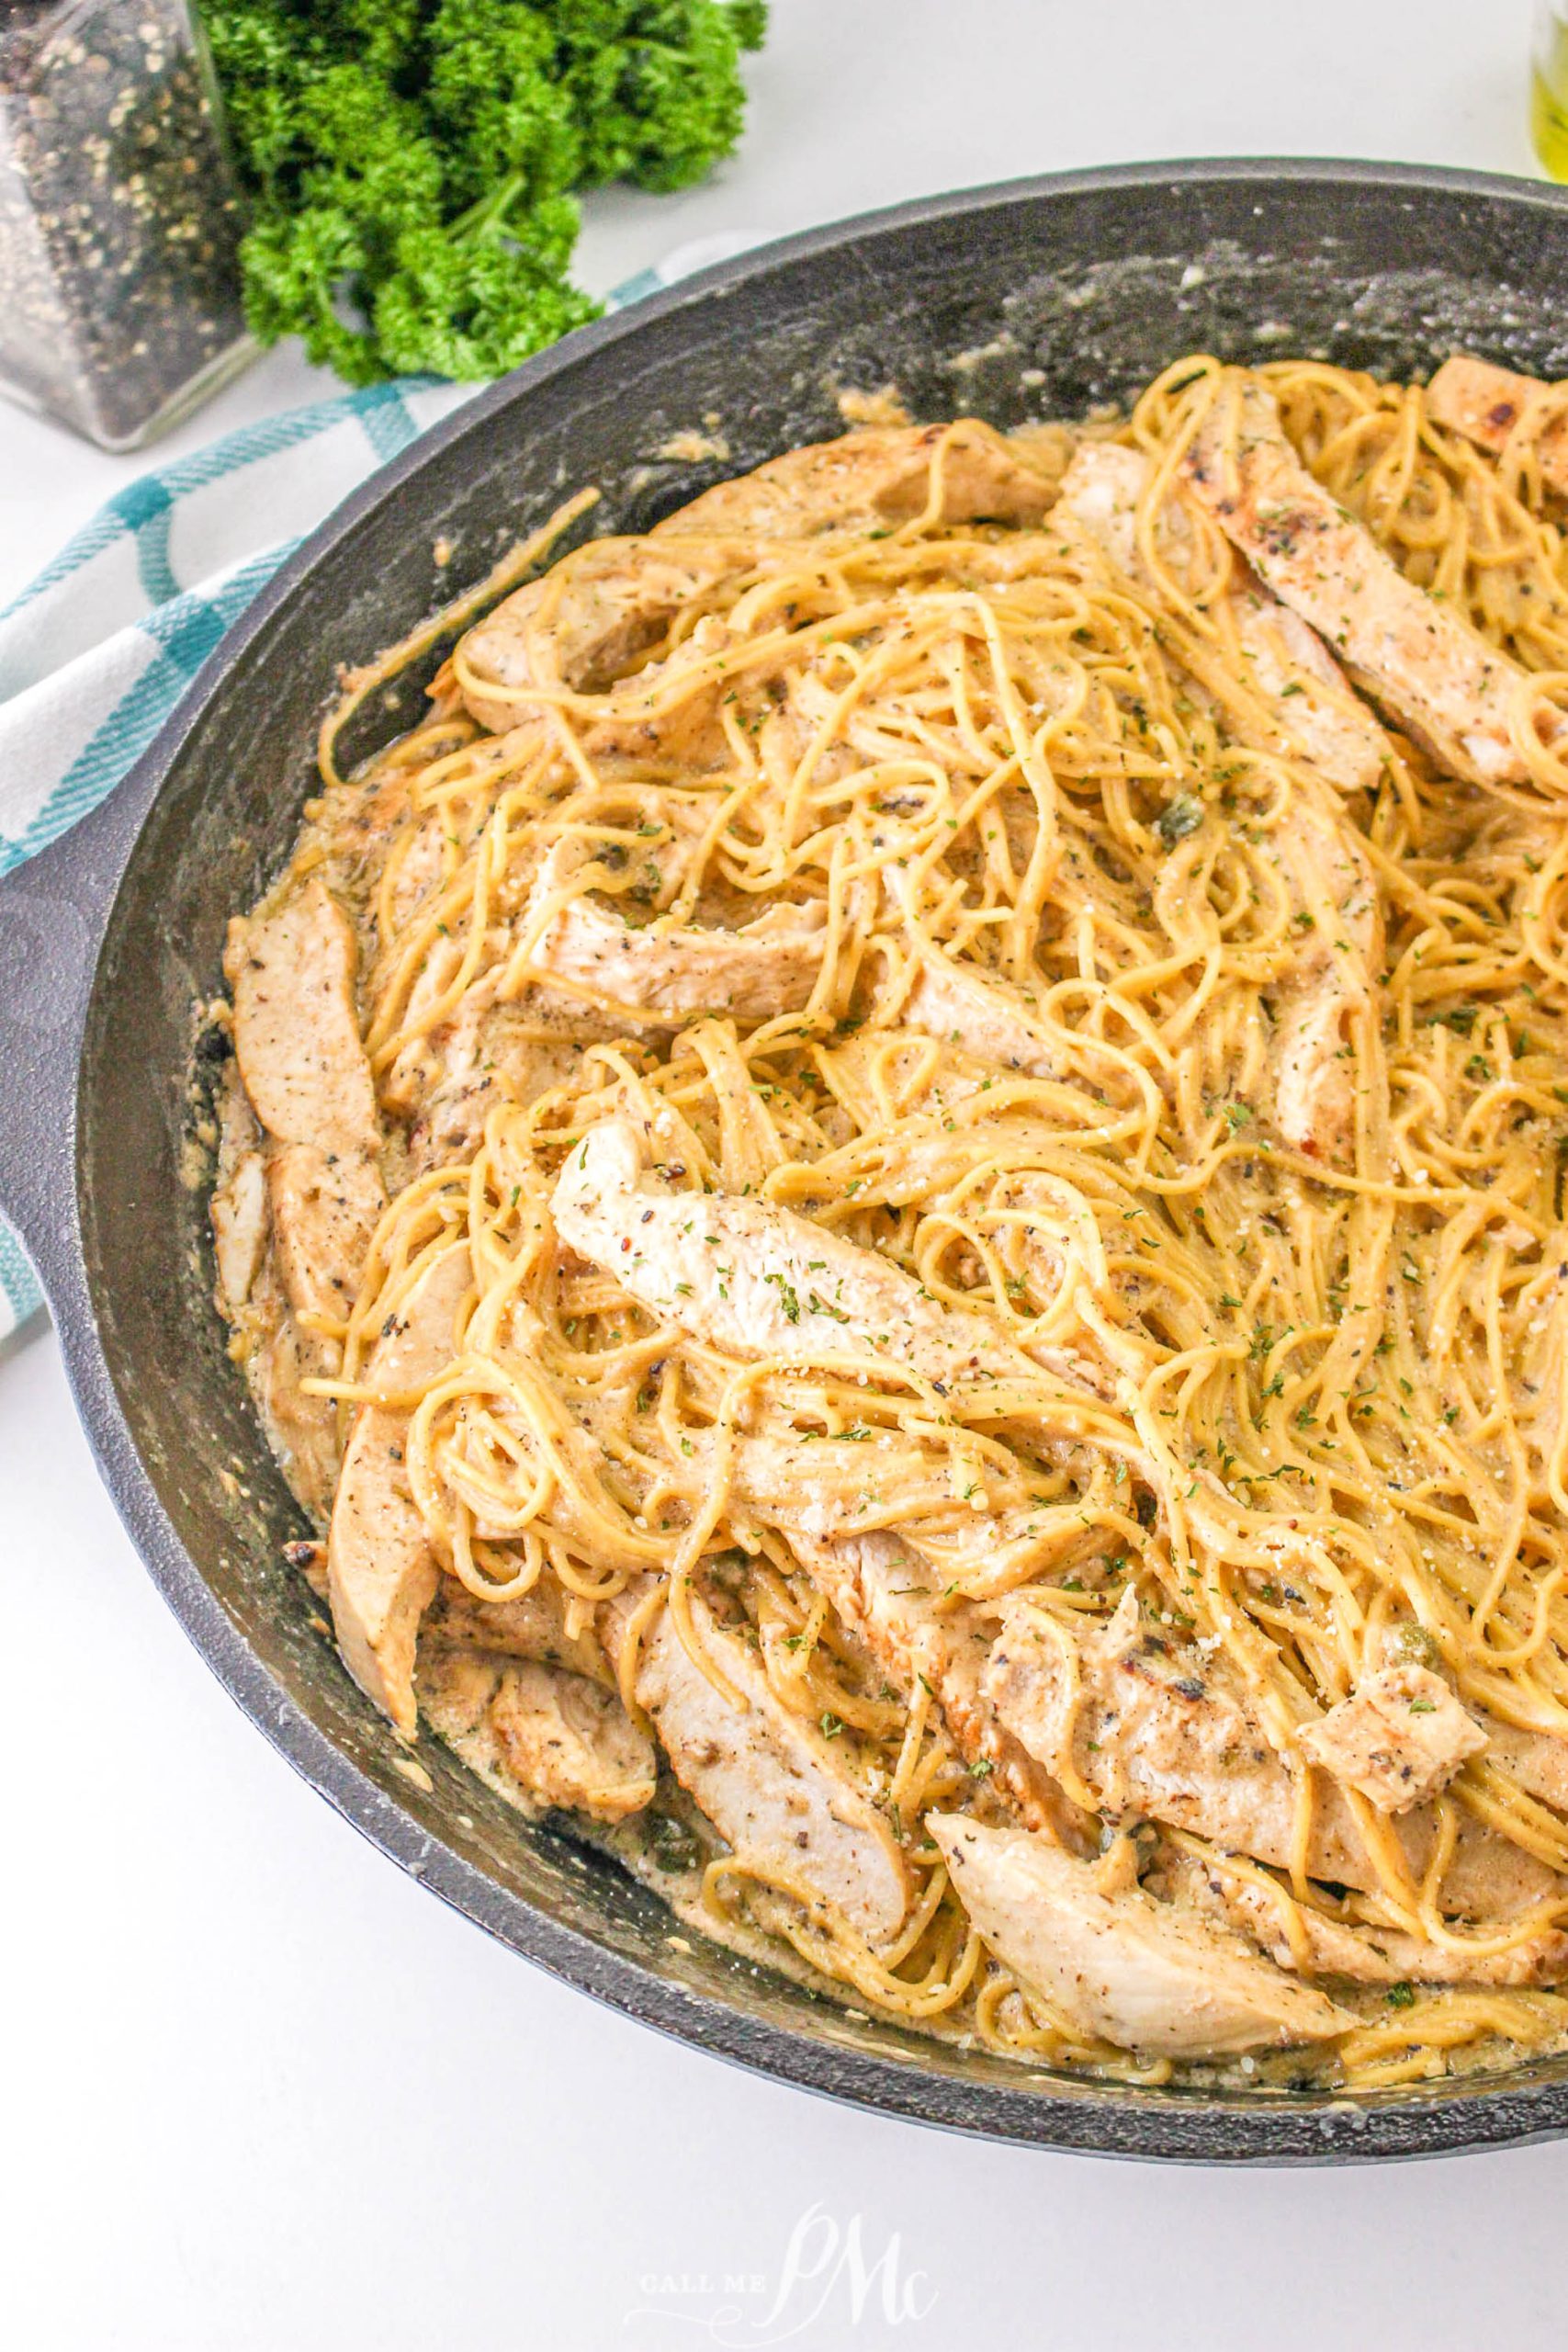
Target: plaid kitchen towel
(95, 653)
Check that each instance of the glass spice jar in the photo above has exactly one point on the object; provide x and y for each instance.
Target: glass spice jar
(119, 297)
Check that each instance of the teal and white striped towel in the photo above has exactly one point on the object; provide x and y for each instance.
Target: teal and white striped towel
(97, 652)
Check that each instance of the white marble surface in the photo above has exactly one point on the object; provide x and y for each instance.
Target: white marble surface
(261, 2093)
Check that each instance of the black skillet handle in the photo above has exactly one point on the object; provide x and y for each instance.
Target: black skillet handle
(53, 911)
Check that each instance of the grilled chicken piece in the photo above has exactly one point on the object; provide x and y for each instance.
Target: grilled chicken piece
(1398, 1738)
(960, 1006)
(1099, 501)
(765, 967)
(304, 1069)
(303, 1427)
(488, 1044)
(1485, 402)
(1414, 654)
(535, 1729)
(1118, 1967)
(422, 870)
(821, 1490)
(612, 605)
(326, 1207)
(879, 475)
(1537, 1760)
(381, 1572)
(1488, 1877)
(297, 1047)
(1151, 1728)
(1143, 1725)
(1314, 706)
(572, 1742)
(888, 1596)
(296, 1030)
(1364, 1955)
(406, 1081)
(239, 1229)
(773, 1788)
(532, 1627)
(758, 1280)
(488, 1052)
(1332, 984)
(590, 619)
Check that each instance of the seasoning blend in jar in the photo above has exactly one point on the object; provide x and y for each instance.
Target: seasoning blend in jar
(119, 297)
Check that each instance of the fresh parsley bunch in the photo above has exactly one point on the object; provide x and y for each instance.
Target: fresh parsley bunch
(410, 163)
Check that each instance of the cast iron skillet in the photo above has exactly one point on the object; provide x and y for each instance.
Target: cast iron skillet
(1044, 297)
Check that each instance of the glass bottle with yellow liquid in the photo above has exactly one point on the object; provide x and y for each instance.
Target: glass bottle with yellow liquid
(1549, 87)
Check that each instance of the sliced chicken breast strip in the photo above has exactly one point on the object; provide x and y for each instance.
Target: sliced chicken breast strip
(616, 600)
(1412, 653)
(1328, 877)
(881, 474)
(572, 1742)
(1143, 1726)
(958, 1005)
(1537, 1760)
(296, 1028)
(757, 1280)
(381, 1572)
(774, 1789)
(302, 1427)
(304, 1069)
(1315, 705)
(1364, 1955)
(1400, 1738)
(823, 1490)
(763, 967)
(1330, 990)
(532, 1627)
(1484, 403)
(324, 1209)
(890, 1598)
(489, 1051)
(523, 1727)
(239, 1215)
(1118, 1967)
(1151, 1728)
(590, 621)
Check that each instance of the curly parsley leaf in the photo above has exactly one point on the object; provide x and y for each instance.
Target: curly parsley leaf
(410, 164)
